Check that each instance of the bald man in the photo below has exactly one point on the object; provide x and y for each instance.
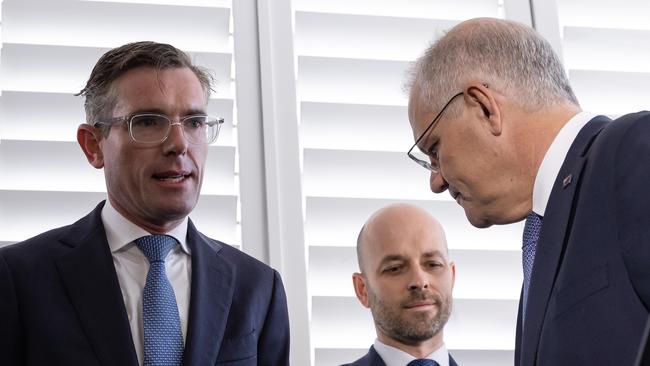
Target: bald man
(406, 280)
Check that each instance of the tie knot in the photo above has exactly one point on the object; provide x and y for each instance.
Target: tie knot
(156, 247)
(423, 362)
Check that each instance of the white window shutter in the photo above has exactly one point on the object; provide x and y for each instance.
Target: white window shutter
(607, 53)
(352, 58)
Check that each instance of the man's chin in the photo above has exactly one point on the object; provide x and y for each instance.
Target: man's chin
(478, 222)
(173, 211)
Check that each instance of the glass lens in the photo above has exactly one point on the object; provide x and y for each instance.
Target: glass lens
(214, 125)
(420, 155)
(196, 128)
(149, 127)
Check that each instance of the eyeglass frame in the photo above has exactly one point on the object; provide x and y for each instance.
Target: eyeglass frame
(426, 164)
(128, 119)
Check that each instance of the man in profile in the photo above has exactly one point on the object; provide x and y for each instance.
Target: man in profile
(496, 123)
(134, 282)
(406, 280)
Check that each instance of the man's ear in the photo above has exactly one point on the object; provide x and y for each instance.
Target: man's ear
(359, 282)
(88, 138)
(452, 266)
(483, 98)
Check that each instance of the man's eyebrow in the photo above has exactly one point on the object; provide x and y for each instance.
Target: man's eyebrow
(433, 253)
(391, 258)
(189, 112)
(147, 111)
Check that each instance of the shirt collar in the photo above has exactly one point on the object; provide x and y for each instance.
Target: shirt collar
(396, 357)
(554, 158)
(121, 232)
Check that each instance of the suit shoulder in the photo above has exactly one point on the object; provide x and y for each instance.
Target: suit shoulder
(628, 136)
(243, 262)
(35, 247)
(628, 124)
(369, 359)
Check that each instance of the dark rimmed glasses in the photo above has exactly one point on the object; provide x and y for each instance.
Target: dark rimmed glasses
(153, 128)
(433, 164)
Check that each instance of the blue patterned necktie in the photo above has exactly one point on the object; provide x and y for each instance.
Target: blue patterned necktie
(423, 362)
(531, 235)
(163, 340)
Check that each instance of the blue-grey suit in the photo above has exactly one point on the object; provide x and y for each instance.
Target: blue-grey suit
(590, 287)
(61, 303)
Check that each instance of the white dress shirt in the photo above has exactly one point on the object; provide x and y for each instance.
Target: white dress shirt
(396, 357)
(132, 267)
(554, 158)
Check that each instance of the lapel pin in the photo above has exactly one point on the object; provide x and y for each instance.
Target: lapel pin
(567, 180)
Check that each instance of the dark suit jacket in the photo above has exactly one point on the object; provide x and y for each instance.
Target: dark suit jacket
(590, 287)
(61, 303)
(372, 359)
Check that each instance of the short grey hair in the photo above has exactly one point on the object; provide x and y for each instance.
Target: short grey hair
(509, 57)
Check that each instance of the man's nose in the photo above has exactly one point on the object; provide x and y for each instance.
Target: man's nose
(419, 279)
(176, 142)
(437, 182)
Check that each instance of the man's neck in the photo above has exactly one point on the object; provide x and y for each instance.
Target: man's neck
(417, 350)
(155, 228)
(541, 128)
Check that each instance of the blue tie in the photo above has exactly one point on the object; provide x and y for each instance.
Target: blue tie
(163, 340)
(531, 235)
(423, 362)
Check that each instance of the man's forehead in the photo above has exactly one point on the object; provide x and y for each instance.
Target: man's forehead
(420, 114)
(408, 247)
(402, 255)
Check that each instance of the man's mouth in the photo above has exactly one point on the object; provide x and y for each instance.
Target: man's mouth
(419, 304)
(172, 176)
(455, 195)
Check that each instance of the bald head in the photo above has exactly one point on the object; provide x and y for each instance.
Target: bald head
(398, 223)
(406, 278)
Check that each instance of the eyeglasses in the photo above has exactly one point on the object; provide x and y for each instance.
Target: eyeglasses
(152, 128)
(433, 164)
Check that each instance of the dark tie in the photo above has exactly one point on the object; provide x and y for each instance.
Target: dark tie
(531, 235)
(423, 362)
(163, 340)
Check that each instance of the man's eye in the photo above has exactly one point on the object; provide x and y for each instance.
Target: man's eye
(433, 151)
(147, 122)
(392, 269)
(197, 122)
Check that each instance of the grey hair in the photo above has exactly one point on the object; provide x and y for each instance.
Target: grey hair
(507, 56)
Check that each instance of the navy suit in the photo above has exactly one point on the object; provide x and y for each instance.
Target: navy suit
(372, 359)
(590, 287)
(61, 303)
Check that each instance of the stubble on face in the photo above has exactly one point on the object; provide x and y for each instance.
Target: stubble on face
(410, 329)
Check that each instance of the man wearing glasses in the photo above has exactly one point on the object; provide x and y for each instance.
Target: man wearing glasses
(497, 124)
(134, 282)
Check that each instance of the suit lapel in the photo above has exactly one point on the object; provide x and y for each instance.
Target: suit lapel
(372, 358)
(553, 237)
(210, 299)
(88, 274)
(452, 362)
